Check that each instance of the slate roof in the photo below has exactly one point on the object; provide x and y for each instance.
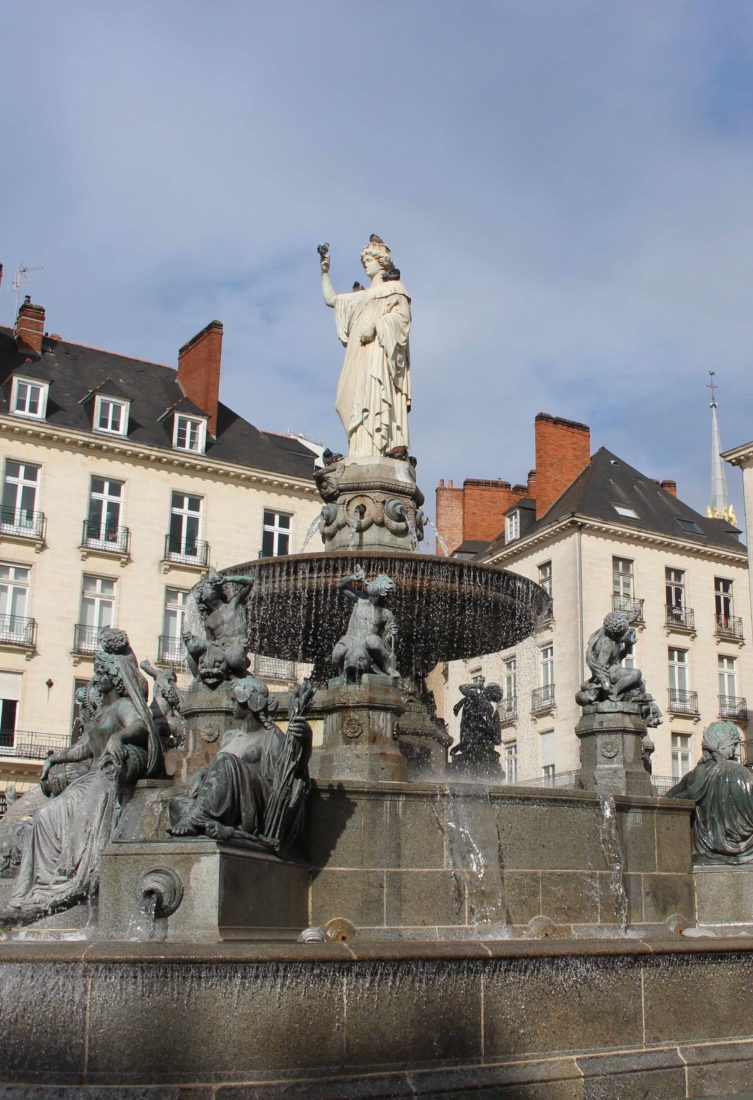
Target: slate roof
(73, 371)
(608, 481)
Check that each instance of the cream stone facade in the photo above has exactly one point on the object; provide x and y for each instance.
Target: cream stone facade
(59, 580)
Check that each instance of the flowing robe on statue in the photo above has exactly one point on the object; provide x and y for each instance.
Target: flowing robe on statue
(723, 815)
(374, 391)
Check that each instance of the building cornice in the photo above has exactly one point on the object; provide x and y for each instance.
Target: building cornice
(123, 448)
(616, 531)
(738, 456)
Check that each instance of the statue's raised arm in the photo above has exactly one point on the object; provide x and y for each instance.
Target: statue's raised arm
(374, 391)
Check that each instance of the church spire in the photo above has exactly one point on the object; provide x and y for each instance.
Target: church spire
(720, 507)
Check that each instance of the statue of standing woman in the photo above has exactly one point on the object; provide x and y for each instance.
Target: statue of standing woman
(374, 391)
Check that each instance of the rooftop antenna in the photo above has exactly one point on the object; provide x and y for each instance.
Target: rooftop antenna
(720, 507)
(21, 278)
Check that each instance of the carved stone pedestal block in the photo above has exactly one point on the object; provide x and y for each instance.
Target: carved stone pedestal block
(360, 731)
(225, 892)
(208, 713)
(611, 736)
(370, 504)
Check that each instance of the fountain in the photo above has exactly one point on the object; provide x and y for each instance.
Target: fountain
(206, 903)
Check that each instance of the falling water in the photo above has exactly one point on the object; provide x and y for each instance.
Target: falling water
(412, 536)
(438, 536)
(317, 524)
(141, 926)
(612, 849)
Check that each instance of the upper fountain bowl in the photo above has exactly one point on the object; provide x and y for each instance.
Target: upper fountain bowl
(446, 609)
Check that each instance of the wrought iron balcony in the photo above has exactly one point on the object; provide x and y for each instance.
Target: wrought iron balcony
(508, 709)
(542, 699)
(734, 707)
(85, 638)
(273, 668)
(22, 524)
(680, 618)
(729, 626)
(683, 702)
(171, 651)
(629, 606)
(29, 745)
(17, 630)
(111, 540)
(186, 551)
(663, 783)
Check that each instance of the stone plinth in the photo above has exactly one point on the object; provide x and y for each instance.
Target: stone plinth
(611, 736)
(229, 892)
(370, 504)
(208, 713)
(360, 731)
(724, 894)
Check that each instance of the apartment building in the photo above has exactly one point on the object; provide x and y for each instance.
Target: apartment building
(599, 535)
(122, 482)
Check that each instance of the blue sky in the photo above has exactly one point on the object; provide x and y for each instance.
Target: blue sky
(566, 187)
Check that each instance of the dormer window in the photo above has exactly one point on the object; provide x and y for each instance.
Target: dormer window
(189, 433)
(29, 398)
(110, 415)
(512, 526)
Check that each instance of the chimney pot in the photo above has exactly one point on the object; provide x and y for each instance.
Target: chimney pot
(670, 487)
(29, 328)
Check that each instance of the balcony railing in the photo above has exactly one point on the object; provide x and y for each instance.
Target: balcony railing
(85, 638)
(734, 707)
(663, 783)
(30, 746)
(113, 540)
(273, 668)
(542, 699)
(171, 651)
(186, 552)
(683, 702)
(729, 626)
(508, 709)
(629, 606)
(680, 618)
(22, 524)
(16, 630)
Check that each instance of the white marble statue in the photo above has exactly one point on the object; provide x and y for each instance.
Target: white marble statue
(374, 391)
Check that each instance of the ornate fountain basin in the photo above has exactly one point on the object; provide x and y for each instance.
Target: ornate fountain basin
(446, 608)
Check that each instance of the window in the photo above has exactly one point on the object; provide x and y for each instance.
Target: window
(10, 693)
(547, 757)
(674, 588)
(190, 433)
(173, 625)
(512, 526)
(622, 578)
(723, 601)
(105, 502)
(19, 515)
(547, 666)
(511, 762)
(97, 610)
(680, 755)
(14, 593)
(511, 678)
(545, 577)
(727, 677)
(185, 527)
(628, 513)
(689, 526)
(110, 415)
(276, 535)
(678, 670)
(29, 398)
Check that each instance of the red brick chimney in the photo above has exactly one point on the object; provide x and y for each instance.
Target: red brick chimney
(30, 328)
(670, 487)
(563, 450)
(199, 364)
(450, 514)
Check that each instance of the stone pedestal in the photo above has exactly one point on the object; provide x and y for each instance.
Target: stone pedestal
(208, 713)
(360, 731)
(611, 736)
(423, 740)
(724, 894)
(228, 892)
(370, 504)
